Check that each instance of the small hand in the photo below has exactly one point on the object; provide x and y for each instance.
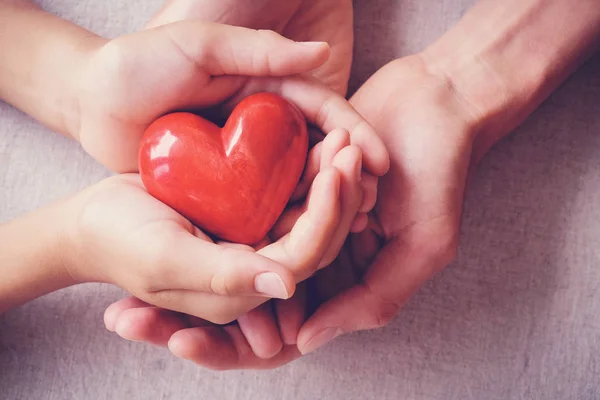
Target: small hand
(244, 340)
(122, 235)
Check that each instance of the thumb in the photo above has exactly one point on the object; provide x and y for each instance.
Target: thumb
(230, 50)
(360, 307)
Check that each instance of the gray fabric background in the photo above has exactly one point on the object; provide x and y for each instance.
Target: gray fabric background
(515, 317)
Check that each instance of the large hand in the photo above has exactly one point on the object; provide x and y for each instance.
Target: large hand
(328, 21)
(429, 131)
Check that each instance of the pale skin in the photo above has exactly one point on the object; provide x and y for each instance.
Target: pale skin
(438, 112)
(103, 93)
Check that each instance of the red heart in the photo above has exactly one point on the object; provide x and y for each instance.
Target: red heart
(232, 182)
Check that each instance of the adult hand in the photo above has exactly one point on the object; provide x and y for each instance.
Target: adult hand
(429, 131)
(328, 21)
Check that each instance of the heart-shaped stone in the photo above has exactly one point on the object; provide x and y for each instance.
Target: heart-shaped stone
(233, 182)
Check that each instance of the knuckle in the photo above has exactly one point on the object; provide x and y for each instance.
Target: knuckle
(160, 261)
(218, 285)
(262, 60)
(268, 35)
(221, 281)
(438, 246)
(324, 114)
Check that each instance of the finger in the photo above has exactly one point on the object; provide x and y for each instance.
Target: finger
(149, 324)
(224, 349)
(348, 162)
(259, 327)
(291, 314)
(328, 111)
(219, 310)
(222, 49)
(333, 143)
(304, 247)
(360, 223)
(115, 309)
(319, 158)
(369, 184)
(286, 222)
(310, 172)
(188, 263)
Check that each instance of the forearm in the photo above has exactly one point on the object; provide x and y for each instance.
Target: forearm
(33, 255)
(40, 55)
(505, 57)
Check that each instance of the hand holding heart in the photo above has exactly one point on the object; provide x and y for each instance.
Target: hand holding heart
(129, 82)
(126, 237)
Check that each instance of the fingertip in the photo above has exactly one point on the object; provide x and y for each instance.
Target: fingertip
(193, 343)
(110, 317)
(177, 346)
(113, 311)
(369, 185)
(321, 51)
(360, 223)
(376, 156)
(261, 332)
(333, 144)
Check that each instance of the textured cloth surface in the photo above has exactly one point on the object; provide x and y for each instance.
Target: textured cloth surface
(515, 317)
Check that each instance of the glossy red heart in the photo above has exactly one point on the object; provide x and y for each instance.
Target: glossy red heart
(233, 182)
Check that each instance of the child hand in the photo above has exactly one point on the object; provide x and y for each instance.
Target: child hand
(186, 336)
(124, 236)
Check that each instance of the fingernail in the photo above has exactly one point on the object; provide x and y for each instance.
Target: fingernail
(313, 43)
(321, 339)
(271, 284)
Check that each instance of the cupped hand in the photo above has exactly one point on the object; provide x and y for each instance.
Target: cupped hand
(124, 236)
(429, 130)
(264, 341)
(328, 21)
(191, 65)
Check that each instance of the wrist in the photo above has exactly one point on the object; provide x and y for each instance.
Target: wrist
(504, 58)
(33, 256)
(47, 54)
(71, 93)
